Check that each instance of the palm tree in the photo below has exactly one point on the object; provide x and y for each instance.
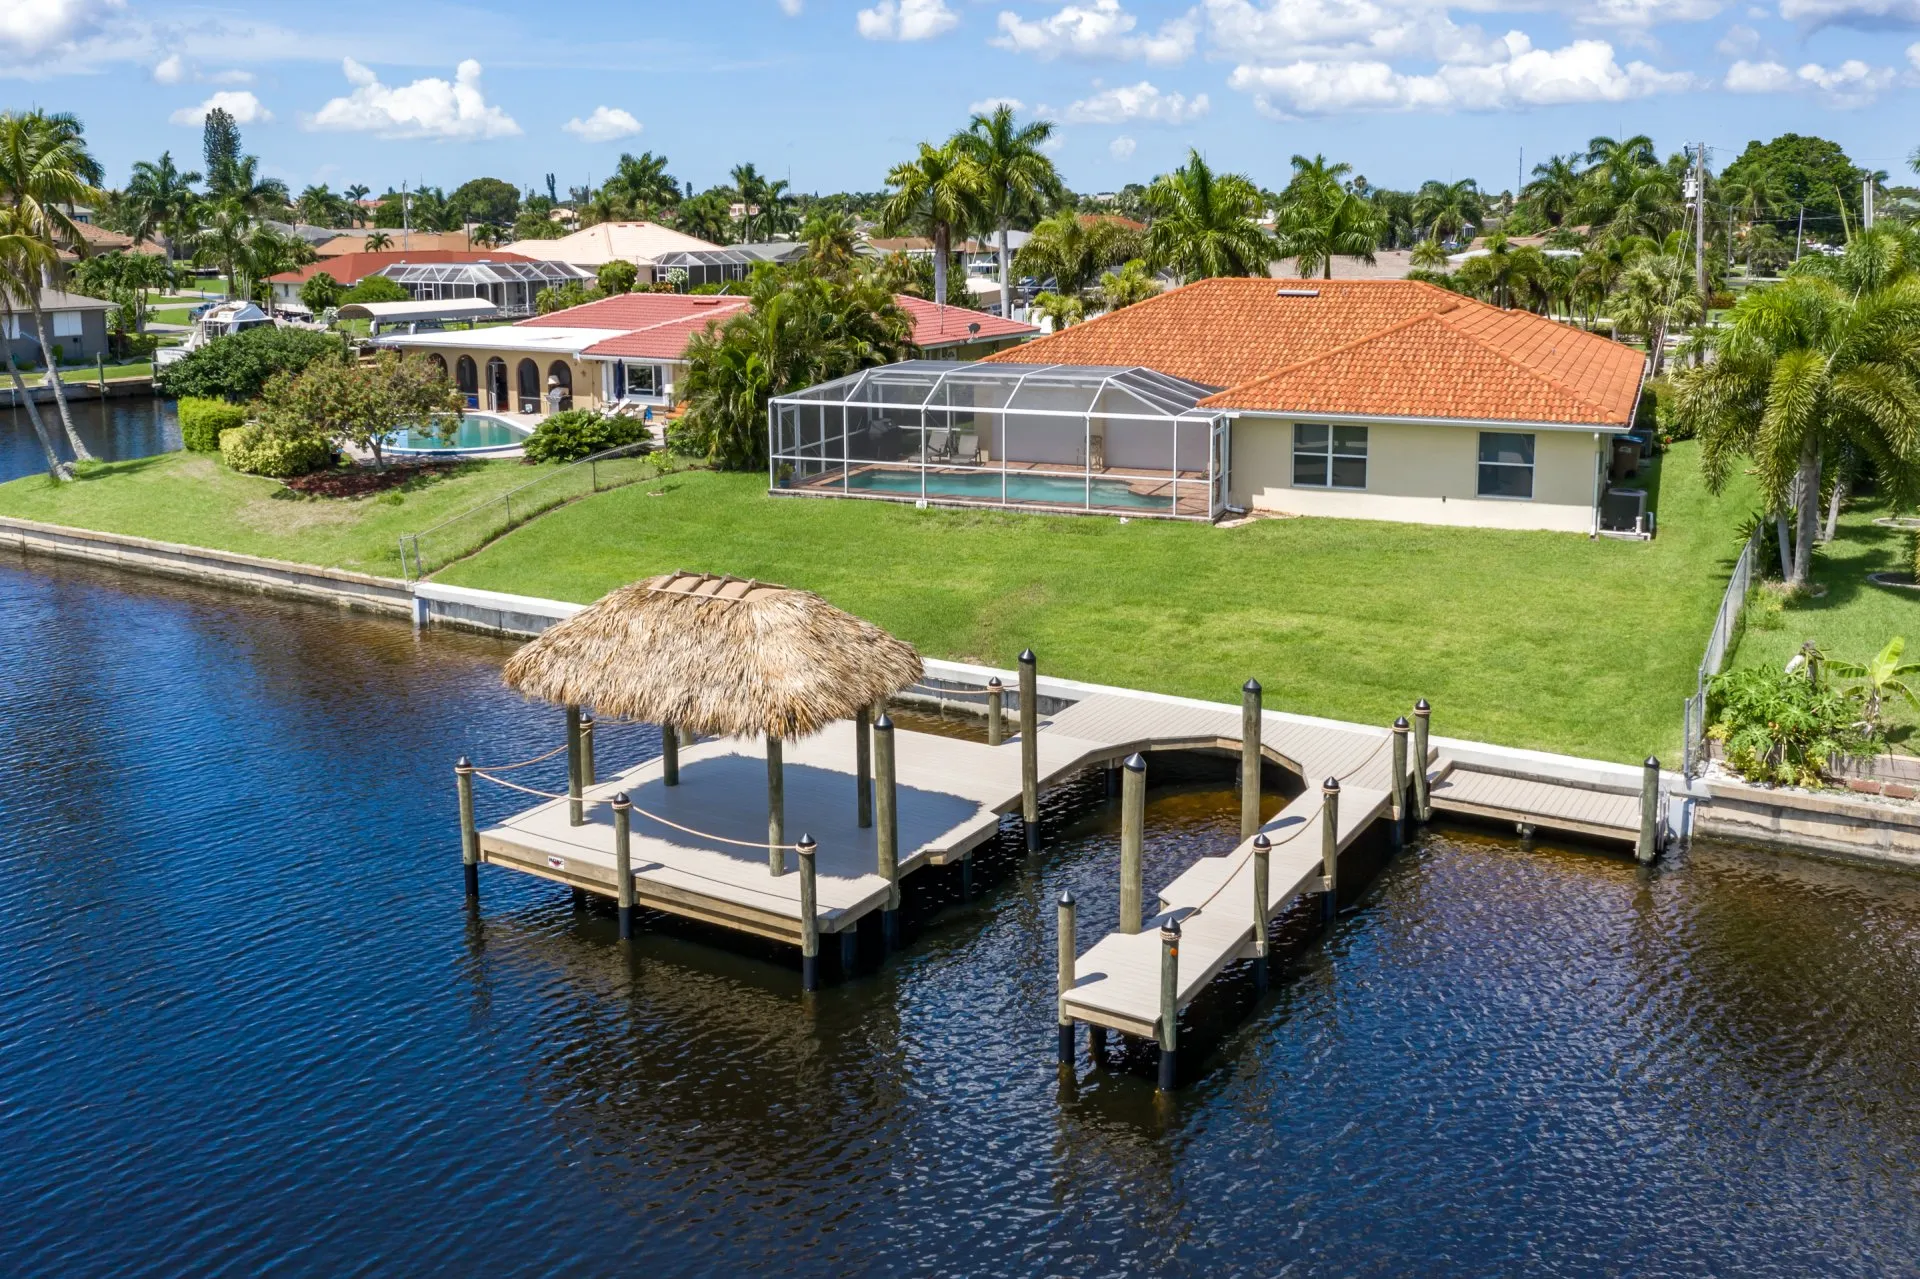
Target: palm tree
(705, 217)
(830, 239)
(645, 181)
(750, 189)
(1072, 250)
(23, 257)
(1017, 176)
(1655, 295)
(1206, 224)
(1801, 368)
(356, 212)
(777, 213)
(377, 241)
(242, 184)
(1429, 255)
(319, 206)
(1061, 309)
(1320, 218)
(940, 191)
(45, 169)
(1447, 209)
(161, 200)
(224, 240)
(1754, 193)
(1131, 283)
(1557, 189)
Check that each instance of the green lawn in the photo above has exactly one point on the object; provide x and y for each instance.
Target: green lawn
(71, 374)
(1855, 618)
(192, 498)
(1527, 639)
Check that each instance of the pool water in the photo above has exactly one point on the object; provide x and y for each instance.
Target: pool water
(984, 486)
(474, 432)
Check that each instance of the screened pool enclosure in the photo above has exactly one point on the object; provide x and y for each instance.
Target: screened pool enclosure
(1126, 441)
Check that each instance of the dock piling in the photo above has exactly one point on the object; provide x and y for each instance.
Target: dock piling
(1169, 1027)
(576, 813)
(776, 807)
(669, 755)
(1422, 808)
(1262, 852)
(469, 832)
(849, 951)
(887, 838)
(809, 918)
(1133, 812)
(623, 861)
(863, 767)
(1249, 757)
(1030, 748)
(587, 775)
(1330, 846)
(1648, 844)
(1068, 954)
(996, 711)
(1400, 781)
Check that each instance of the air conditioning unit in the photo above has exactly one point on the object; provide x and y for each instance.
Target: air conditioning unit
(1624, 511)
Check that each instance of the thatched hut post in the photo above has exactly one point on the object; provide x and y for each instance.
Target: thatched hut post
(863, 768)
(575, 810)
(776, 807)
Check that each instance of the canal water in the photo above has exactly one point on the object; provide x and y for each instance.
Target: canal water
(247, 1023)
(114, 430)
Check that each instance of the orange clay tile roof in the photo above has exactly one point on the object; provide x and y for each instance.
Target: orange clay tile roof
(938, 326)
(1371, 348)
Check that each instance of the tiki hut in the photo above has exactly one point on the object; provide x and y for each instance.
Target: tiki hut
(719, 657)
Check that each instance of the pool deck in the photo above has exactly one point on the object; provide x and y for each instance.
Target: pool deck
(1189, 502)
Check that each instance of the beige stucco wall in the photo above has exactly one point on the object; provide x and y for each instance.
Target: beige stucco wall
(1420, 475)
(586, 374)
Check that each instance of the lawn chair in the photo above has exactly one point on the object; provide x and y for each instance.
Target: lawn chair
(939, 444)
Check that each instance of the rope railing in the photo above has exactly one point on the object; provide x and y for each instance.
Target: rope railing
(525, 763)
(586, 800)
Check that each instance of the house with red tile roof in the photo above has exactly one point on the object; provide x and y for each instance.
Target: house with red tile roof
(1380, 399)
(630, 349)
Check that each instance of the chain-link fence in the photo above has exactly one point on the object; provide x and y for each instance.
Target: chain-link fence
(1726, 627)
(433, 548)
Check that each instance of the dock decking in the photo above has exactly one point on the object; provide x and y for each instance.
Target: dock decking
(1529, 802)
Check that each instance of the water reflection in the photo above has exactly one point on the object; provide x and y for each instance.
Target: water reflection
(248, 1023)
(114, 430)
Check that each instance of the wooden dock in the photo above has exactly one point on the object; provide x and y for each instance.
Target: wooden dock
(1531, 803)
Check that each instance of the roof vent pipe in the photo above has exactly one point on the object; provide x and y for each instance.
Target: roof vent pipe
(1296, 293)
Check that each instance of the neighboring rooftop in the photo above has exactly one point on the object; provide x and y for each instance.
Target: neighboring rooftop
(936, 327)
(636, 242)
(344, 242)
(351, 268)
(1379, 348)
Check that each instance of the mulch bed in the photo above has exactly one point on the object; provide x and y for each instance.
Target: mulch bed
(359, 481)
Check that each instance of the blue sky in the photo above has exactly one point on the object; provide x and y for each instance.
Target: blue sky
(830, 92)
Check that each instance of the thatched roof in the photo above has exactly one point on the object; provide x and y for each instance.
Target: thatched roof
(720, 656)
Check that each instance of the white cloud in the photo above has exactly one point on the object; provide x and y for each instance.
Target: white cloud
(240, 104)
(1315, 30)
(1641, 14)
(427, 108)
(1852, 13)
(1758, 77)
(1913, 55)
(171, 69)
(1121, 148)
(174, 69)
(987, 106)
(1850, 85)
(604, 125)
(32, 27)
(791, 7)
(1099, 29)
(906, 20)
(1739, 42)
(1583, 71)
(1142, 101)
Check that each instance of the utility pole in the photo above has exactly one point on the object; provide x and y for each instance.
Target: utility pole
(406, 218)
(1700, 221)
(1866, 204)
(1799, 232)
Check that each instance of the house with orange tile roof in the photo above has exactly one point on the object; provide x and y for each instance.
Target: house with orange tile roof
(631, 349)
(1383, 399)
(1362, 399)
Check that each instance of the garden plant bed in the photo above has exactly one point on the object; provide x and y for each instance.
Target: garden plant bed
(360, 481)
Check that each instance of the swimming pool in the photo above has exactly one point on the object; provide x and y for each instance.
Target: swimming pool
(477, 433)
(984, 486)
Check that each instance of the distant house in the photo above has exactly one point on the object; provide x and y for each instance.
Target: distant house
(508, 280)
(729, 264)
(78, 329)
(342, 243)
(641, 243)
(348, 269)
(631, 349)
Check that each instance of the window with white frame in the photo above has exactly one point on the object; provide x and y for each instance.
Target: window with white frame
(645, 380)
(66, 324)
(1329, 456)
(1506, 464)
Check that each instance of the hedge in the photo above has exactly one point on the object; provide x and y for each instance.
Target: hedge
(237, 367)
(253, 450)
(203, 421)
(575, 433)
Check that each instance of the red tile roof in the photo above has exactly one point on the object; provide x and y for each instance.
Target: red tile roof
(351, 268)
(638, 311)
(938, 326)
(1377, 348)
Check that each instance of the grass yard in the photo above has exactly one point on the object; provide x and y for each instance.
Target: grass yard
(1539, 640)
(91, 373)
(1855, 618)
(192, 498)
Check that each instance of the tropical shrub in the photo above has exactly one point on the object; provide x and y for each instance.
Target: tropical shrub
(375, 288)
(238, 368)
(320, 292)
(618, 276)
(1782, 727)
(260, 449)
(571, 294)
(363, 405)
(202, 421)
(1884, 676)
(576, 433)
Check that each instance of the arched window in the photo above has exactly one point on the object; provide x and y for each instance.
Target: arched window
(560, 375)
(497, 384)
(528, 377)
(438, 361)
(466, 376)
